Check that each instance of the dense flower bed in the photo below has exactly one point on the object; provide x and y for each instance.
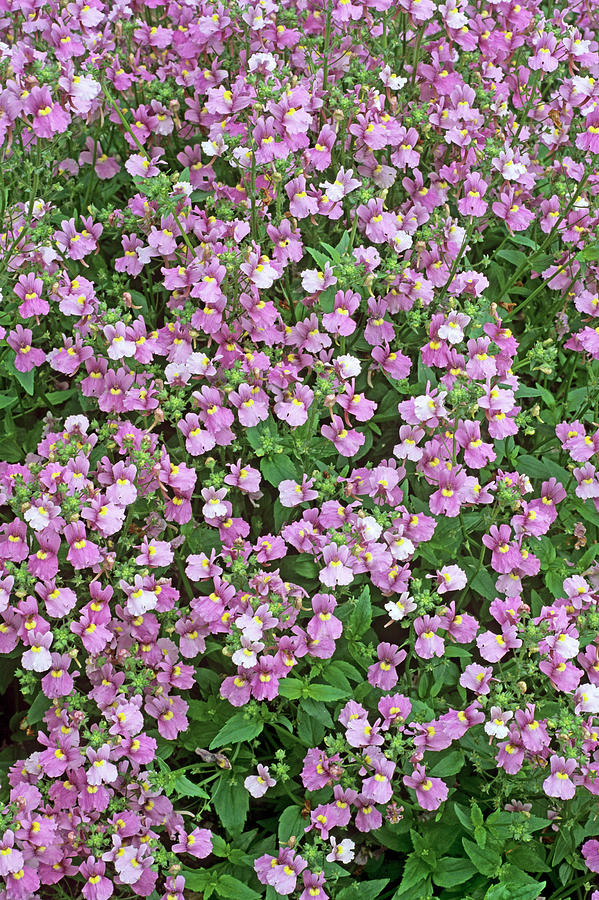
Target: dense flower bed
(299, 495)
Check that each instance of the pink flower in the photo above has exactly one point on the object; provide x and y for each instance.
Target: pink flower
(97, 886)
(450, 578)
(559, 783)
(49, 117)
(430, 792)
(292, 494)
(198, 843)
(82, 552)
(338, 569)
(27, 357)
(590, 851)
(383, 673)
(428, 643)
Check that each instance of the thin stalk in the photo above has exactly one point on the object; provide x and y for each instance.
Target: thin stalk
(529, 263)
(327, 47)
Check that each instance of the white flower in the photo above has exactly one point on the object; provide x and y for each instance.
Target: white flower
(348, 366)
(341, 853)
(496, 726)
(369, 529)
(399, 608)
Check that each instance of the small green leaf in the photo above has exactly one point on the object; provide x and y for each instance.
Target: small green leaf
(277, 468)
(291, 688)
(237, 729)
(25, 379)
(327, 692)
(291, 822)
(231, 802)
(186, 788)
(453, 870)
(232, 888)
(38, 708)
(364, 890)
(451, 764)
(361, 615)
(486, 861)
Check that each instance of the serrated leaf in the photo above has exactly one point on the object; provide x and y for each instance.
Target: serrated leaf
(38, 708)
(291, 822)
(451, 764)
(320, 258)
(453, 870)
(232, 888)
(361, 615)
(291, 688)
(184, 787)
(327, 692)
(486, 861)
(529, 858)
(231, 802)
(363, 890)
(197, 879)
(278, 468)
(318, 710)
(237, 729)
(415, 872)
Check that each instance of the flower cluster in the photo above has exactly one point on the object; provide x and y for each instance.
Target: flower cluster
(299, 486)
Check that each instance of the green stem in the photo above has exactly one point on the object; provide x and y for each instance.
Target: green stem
(457, 260)
(415, 57)
(327, 47)
(529, 263)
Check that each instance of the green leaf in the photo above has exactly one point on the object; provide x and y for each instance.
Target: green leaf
(517, 257)
(327, 692)
(415, 872)
(58, 397)
(231, 801)
(541, 468)
(451, 764)
(278, 468)
(476, 816)
(25, 379)
(321, 258)
(186, 788)
(484, 584)
(291, 688)
(7, 400)
(302, 565)
(317, 710)
(310, 730)
(363, 890)
(237, 729)
(350, 672)
(463, 816)
(219, 846)
(453, 870)
(332, 251)
(516, 886)
(361, 615)
(38, 708)
(291, 822)
(197, 879)
(395, 837)
(529, 857)
(233, 889)
(343, 243)
(486, 861)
